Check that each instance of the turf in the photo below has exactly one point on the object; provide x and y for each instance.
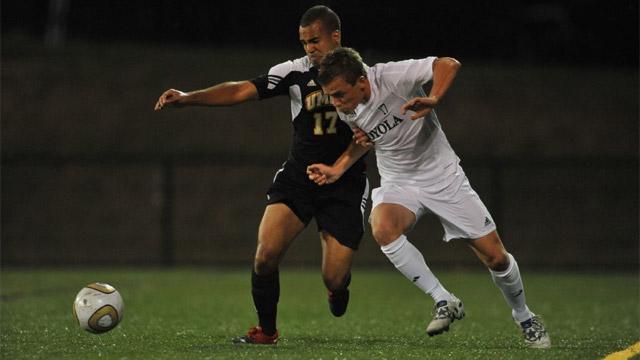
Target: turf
(193, 313)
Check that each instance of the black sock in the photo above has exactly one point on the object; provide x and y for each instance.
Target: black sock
(347, 281)
(344, 289)
(266, 293)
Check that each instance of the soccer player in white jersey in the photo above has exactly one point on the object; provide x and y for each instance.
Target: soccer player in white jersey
(420, 173)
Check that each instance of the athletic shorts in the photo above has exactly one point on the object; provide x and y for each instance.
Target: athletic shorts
(338, 208)
(460, 210)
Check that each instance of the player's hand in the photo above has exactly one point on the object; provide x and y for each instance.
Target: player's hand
(322, 174)
(421, 105)
(170, 97)
(361, 138)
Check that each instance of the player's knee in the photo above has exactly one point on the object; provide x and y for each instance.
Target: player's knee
(333, 280)
(385, 234)
(498, 262)
(266, 261)
(263, 268)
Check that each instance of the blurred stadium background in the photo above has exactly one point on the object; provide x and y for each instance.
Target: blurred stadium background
(544, 115)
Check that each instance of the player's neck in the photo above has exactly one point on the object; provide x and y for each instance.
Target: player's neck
(367, 92)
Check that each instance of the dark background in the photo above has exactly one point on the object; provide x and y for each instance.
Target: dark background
(544, 114)
(536, 32)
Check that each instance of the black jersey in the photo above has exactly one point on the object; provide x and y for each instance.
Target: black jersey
(319, 136)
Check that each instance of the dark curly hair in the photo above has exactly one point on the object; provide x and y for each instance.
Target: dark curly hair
(329, 19)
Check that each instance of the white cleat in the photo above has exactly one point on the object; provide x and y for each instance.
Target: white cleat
(445, 312)
(534, 333)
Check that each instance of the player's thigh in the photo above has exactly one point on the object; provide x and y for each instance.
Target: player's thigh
(291, 187)
(279, 226)
(337, 260)
(462, 213)
(339, 210)
(389, 221)
(394, 211)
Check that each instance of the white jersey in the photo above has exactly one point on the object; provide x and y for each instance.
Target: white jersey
(412, 152)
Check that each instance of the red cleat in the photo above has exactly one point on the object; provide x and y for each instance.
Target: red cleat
(256, 336)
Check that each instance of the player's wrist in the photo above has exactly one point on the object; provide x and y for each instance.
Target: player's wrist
(338, 170)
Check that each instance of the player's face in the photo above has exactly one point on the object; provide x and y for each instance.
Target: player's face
(346, 97)
(317, 41)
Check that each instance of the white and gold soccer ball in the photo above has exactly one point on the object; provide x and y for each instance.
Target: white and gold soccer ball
(98, 308)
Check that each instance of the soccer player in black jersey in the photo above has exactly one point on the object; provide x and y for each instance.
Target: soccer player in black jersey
(293, 200)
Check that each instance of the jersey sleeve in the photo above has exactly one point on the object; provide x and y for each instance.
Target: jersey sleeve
(407, 75)
(344, 118)
(275, 82)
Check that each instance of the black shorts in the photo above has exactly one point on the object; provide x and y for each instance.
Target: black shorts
(338, 207)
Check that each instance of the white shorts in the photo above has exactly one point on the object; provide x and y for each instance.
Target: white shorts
(459, 208)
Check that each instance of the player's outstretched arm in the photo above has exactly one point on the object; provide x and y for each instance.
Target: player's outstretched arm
(224, 94)
(323, 174)
(444, 71)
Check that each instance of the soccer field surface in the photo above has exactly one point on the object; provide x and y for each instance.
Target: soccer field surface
(193, 314)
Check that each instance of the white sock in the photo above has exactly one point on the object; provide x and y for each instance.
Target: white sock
(510, 283)
(410, 262)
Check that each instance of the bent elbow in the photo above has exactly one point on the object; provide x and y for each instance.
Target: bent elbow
(454, 63)
(447, 64)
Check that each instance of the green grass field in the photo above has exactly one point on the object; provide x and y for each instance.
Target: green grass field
(193, 313)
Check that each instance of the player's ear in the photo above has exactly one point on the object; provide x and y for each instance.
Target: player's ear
(336, 35)
(363, 83)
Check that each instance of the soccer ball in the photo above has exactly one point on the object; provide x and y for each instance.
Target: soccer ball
(98, 308)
